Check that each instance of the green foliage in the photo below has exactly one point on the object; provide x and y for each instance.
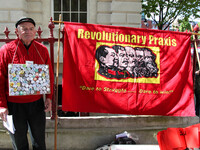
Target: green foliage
(165, 12)
(184, 25)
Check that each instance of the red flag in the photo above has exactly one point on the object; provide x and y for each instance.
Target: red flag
(123, 70)
(175, 138)
(193, 132)
(172, 138)
(179, 138)
(192, 137)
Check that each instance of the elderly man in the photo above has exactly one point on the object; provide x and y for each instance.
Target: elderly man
(27, 111)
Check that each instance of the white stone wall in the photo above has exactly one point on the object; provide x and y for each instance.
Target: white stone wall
(10, 11)
(13, 10)
(119, 12)
(108, 12)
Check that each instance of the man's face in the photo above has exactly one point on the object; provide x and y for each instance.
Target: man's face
(149, 61)
(140, 57)
(131, 57)
(26, 32)
(110, 58)
(123, 59)
(148, 57)
(139, 54)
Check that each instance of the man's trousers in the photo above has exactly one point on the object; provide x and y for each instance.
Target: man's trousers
(28, 116)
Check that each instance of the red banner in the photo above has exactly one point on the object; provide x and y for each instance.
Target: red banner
(123, 70)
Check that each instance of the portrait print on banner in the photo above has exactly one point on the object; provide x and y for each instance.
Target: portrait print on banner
(127, 63)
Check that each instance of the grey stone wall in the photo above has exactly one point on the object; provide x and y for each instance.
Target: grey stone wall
(89, 133)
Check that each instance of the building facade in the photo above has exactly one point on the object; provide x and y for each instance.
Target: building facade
(108, 12)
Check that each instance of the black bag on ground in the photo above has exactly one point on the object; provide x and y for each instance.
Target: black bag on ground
(123, 140)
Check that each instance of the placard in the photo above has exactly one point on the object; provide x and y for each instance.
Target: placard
(28, 79)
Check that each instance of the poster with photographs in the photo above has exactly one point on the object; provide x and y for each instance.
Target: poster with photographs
(28, 79)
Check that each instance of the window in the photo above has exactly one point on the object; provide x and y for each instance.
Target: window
(71, 10)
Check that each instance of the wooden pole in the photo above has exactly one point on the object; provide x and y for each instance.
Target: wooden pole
(58, 21)
(195, 47)
(193, 33)
(57, 71)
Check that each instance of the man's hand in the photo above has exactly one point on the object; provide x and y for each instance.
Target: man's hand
(3, 113)
(197, 72)
(47, 105)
